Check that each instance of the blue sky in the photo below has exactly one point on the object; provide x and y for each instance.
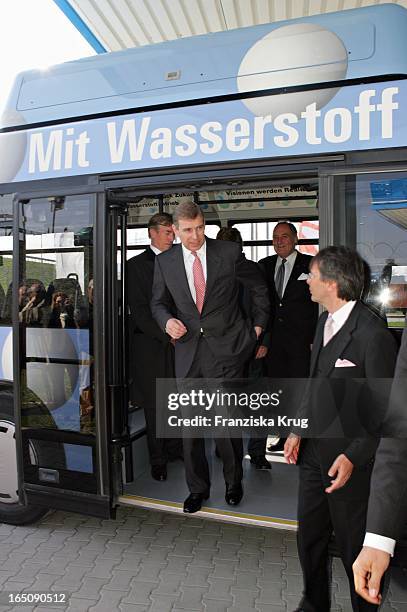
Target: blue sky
(35, 34)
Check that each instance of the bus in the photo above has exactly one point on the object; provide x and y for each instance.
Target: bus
(302, 120)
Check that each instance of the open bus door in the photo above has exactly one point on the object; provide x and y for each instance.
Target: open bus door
(62, 428)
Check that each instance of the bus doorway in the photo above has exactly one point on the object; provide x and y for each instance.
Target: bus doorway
(55, 359)
(254, 210)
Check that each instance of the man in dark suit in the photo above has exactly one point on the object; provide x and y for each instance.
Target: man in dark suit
(256, 446)
(293, 314)
(387, 513)
(196, 301)
(151, 354)
(351, 342)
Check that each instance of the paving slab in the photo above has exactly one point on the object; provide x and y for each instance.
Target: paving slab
(149, 561)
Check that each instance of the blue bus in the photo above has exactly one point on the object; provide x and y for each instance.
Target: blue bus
(303, 120)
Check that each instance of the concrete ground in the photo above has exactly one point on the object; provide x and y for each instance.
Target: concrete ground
(148, 561)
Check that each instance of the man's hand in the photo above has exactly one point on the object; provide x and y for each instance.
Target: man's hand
(343, 469)
(368, 571)
(258, 330)
(291, 448)
(175, 328)
(261, 352)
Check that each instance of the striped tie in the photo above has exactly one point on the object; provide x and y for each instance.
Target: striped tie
(199, 281)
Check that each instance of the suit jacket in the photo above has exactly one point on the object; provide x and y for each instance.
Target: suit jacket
(366, 342)
(151, 353)
(294, 317)
(387, 511)
(230, 337)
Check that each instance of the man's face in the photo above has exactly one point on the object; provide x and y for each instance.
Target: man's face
(321, 290)
(284, 240)
(191, 232)
(162, 237)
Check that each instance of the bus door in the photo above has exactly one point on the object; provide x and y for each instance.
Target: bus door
(57, 295)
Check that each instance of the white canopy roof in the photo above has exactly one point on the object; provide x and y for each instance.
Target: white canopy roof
(112, 25)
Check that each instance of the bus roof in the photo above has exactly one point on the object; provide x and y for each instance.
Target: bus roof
(202, 67)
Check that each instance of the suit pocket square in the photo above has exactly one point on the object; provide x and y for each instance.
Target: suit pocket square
(344, 363)
(303, 276)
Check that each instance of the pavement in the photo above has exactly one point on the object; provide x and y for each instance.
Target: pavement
(149, 561)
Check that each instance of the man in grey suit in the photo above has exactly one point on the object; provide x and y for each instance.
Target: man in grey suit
(387, 513)
(196, 301)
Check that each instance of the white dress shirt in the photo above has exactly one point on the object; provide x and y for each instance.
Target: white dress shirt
(189, 259)
(340, 317)
(371, 539)
(155, 250)
(288, 267)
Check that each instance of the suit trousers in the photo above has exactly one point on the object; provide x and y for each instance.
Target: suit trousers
(205, 365)
(319, 515)
(160, 450)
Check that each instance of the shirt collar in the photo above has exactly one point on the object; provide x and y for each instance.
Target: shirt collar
(201, 252)
(290, 259)
(341, 315)
(155, 250)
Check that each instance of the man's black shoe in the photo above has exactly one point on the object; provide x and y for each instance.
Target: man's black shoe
(234, 494)
(159, 472)
(193, 502)
(260, 463)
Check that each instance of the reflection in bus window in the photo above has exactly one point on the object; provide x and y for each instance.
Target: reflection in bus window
(377, 207)
(55, 306)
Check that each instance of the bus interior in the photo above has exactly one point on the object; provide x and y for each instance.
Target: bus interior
(254, 210)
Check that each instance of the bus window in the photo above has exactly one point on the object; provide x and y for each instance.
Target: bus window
(375, 207)
(258, 236)
(55, 310)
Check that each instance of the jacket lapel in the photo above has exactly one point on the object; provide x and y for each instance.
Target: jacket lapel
(343, 338)
(295, 272)
(213, 263)
(317, 343)
(178, 261)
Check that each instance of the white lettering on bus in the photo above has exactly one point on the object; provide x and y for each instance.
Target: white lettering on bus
(215, 142)
(310, 115)
(345, 124)
(127, 136)
(280, 124)
(59, 150)
(132, 140)
(183, 135)
(237, 134)
(258, 136)
(363, 110)
(162, 143)
(387, 107)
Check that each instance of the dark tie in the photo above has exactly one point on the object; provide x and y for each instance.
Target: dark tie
(279, 282)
